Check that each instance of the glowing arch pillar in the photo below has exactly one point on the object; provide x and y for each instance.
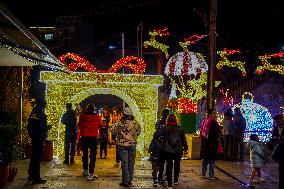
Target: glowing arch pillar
(140, 92)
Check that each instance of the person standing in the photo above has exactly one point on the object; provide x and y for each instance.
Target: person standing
(103, 138)
(258, 157)
(115, 117)
(278, 156)
(37, 129)
(174, 145)
(127, 131)
(89, 123)
(69, 119)
(240, 124)
(229, 135)
(209, 134)
(78, 110)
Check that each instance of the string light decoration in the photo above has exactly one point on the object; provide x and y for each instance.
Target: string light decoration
(80, 62)
(267, 66)
(228, 101)
(140, 92)
(225, 62)
(258, 119)
(186, 106)
(155, 44)
(191, 40)
(173, 91)
(186, 63)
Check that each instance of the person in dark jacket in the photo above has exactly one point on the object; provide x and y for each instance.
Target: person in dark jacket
(37, 129)
(69, 119)
(155, 150)
(103, 138)
(175, 145)
(278, 156)
(106, 119)
(160, 124)
(89, 123)
(240, 124)
(209, 134)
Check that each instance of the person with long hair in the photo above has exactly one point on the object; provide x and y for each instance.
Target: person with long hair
(175, 145)
(89, 123)
(115, 117)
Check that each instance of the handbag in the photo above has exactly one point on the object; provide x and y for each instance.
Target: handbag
(220, 148)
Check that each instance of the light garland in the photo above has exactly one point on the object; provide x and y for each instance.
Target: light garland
(80, 62)
(140, 92)
(227, 101)
(191, 40)
(225, 62)
(258, 119)
(267, 66)
(155, 44)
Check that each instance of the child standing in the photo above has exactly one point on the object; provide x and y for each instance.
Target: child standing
(258, 157)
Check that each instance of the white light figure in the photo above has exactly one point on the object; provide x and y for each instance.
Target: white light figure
(173, 91)
(258, 119)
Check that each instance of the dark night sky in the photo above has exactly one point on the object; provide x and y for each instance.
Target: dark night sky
(244, 24)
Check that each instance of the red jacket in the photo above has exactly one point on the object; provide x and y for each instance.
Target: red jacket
(89, 125)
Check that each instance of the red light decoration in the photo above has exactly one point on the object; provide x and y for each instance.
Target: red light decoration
(191, 40)
(267, 66)
(186, 106)
(80, 62)
(228, 101)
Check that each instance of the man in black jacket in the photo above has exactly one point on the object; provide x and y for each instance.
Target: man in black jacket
(69, 119)
(37, 129)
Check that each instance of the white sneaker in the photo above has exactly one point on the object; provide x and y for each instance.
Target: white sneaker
(92, 177)
(85, 173)
(176, 183)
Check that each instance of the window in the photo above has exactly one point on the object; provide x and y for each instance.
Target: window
(48, 36)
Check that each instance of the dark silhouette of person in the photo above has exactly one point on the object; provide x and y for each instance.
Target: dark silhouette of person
(37, 129)
(69, 119)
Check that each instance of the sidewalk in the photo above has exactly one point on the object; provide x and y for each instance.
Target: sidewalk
(61, 176)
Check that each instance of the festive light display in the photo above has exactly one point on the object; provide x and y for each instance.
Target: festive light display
(267, 66)
(225, 62)
(186, 63)
(173, 91)
(191, 40)
(140, 92)
(155, 44)
(258, 119)
(80, 62)
(186, 106)
(227, 101)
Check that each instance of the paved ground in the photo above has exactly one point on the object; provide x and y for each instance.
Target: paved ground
(61, 176)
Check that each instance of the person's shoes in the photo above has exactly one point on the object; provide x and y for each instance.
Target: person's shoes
(170, 187)
(66, 161)
(176, 182)
(260, 180)
(203, 177)
(29, 179)
(155, 183)
(85, 173)
(122, 184)
(39, 181)
(72, 160)
(160, 180)
(130, 183)
(92, 177)
(214, 178)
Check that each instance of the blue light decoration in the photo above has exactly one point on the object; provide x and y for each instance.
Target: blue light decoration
(258, 119)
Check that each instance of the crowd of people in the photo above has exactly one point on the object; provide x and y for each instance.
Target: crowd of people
(87, 129)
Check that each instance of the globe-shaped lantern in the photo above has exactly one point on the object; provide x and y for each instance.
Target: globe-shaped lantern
(186, 63)
(258, 119)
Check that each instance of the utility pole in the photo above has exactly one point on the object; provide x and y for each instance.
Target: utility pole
(212, 56)
(139, 39)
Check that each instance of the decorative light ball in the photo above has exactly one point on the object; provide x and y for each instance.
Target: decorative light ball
(258, 119)
(186, 63)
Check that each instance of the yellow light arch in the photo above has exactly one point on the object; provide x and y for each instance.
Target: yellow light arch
(140, 92)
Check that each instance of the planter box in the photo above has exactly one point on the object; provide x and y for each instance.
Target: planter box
(188, 122)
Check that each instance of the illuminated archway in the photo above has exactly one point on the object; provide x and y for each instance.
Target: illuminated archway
(140, 92)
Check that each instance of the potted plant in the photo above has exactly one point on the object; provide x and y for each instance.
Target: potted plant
(9, 145)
